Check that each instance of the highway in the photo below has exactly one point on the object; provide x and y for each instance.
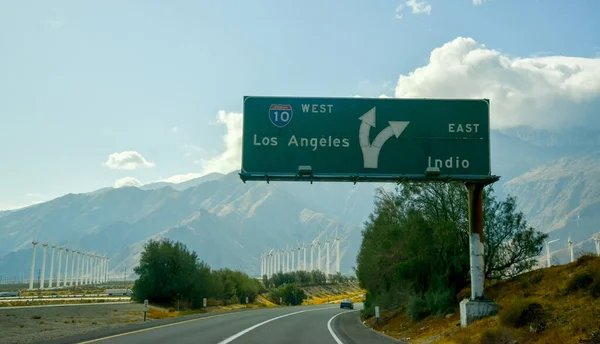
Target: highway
(291, 325)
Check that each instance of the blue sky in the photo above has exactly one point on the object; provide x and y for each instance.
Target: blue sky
(81, 80)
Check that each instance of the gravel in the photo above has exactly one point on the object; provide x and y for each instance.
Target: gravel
(34, 324)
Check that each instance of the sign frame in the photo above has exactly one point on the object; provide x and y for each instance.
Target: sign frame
(306, 174)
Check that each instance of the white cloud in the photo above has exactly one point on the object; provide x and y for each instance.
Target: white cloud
(191, 149)
(129, 160)
(127, 181)
(541, 92)
(419, 7)
(230, 159)
(54, 24)
(175, 129)
(399, 11)
(478, 2)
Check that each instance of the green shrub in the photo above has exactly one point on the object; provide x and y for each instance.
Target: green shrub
(496, 336)
(524, 313)
(579, 280)
(584, 258)
(440, 301)
(289, 294)
(595, 289)
(416, 308)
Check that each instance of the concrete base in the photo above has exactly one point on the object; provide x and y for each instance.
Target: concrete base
(473, 310)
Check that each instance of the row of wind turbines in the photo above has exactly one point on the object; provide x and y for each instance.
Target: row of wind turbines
(91, 268)
(283, 260)
(571, 248)
(570, 245)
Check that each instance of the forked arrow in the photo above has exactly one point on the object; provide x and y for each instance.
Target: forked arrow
(371, 150)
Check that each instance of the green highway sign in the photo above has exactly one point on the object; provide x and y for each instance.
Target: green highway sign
(365, 139)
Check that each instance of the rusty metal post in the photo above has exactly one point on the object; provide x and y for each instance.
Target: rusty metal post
(476, 239)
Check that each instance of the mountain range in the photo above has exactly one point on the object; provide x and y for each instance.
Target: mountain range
(229, 223)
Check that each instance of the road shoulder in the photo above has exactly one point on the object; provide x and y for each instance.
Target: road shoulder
(352, 330)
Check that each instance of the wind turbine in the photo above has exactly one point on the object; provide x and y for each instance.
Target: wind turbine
(298, 264)
(60, 251)
(73, 255)
(319, 254)
(51, 266)
(304, 262)
(65, 280)
(548, 251)
(337, 252)
(78, 269)
(32, 265)
(312, 253)
(280, 260)
(570, 243)
(326, 256)
(43, 266)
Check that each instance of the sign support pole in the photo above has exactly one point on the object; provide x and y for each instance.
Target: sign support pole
(476, 240)
(478, 306)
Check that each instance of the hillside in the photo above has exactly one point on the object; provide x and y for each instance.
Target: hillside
(562, 197)
(227, 222)
(567, 296)
(217, 212)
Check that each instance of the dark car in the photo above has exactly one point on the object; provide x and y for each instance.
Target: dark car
(347, 304)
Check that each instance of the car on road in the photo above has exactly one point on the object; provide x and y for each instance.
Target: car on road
(347, 303)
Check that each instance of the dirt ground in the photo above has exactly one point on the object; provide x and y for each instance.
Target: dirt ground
(30, 325)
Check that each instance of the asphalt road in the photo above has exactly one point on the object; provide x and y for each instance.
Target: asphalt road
(291, 325)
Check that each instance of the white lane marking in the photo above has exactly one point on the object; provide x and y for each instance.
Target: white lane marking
(337, 340)
(241, 333)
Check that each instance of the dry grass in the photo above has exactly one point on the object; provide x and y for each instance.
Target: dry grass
(58, 302)
(318, 295)
(358, 296)
(572, 314)
(264, 301)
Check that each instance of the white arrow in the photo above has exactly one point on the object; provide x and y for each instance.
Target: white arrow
(371, 151)
(368, 121)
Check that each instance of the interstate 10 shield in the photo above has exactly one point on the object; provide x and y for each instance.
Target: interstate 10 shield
(280, 114)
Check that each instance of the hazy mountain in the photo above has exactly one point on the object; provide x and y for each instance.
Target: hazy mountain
(562, 197)
(182, 186)
(5, 212)
(229, 223)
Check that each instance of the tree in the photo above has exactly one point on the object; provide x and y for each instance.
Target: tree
(167, 270)
(416, 244)
(509, 241)
(289, 293)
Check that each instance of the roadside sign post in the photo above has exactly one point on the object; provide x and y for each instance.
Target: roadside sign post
(377, 315)
(377, 140)
(204, 302)
(280, 300)
(246, 299)
(145, 308)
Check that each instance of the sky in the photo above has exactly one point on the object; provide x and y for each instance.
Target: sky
(112, 93)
